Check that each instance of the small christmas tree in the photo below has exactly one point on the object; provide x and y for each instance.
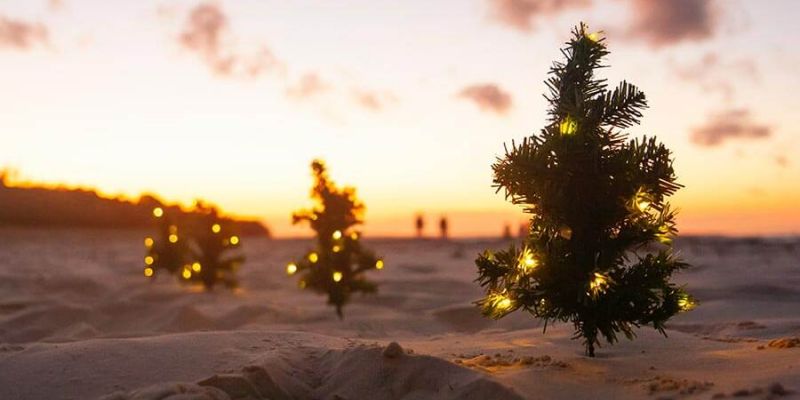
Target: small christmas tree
(599, 210)
(336, 267)
(196, 254)
(166, 252)
(211, 244)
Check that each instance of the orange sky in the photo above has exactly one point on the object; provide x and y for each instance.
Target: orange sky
(409, 101)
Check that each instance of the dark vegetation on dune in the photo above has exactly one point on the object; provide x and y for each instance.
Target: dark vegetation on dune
(82, 208)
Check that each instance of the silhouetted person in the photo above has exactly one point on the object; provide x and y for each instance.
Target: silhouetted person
(420, 223)
(507, 232)
(443, 228)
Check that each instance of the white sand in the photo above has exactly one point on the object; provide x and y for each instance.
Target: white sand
(78, 321)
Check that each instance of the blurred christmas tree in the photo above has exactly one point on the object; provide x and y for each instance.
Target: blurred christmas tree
(212, 243)
(166, 252)
(336, 267)
(199, 253)
(598, 206)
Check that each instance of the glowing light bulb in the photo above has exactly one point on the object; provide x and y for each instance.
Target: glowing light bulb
(337, 235)
(598, 284)
(337, 276)
(500, 302)
(186, 273)
(148, 272)
(526, 260)
(158, 212)
(337, 248)
(642, 200)
(173, 238)
(313, 257)
(379, 264)
(216, 228)
(642, 205)
(196, 267)
(149, 260)
(568, 126)
(291, 268)
(234, 240)
(686, 303)
(302, 284)
(148, 242)
(354, 236)
(595, 36)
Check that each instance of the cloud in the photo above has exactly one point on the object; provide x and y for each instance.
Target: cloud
(21, 35)
(307, 86)
(713, 74)
(205, 32)
(488, 97)
(664, 23)
(373, 100)
(729, 125)
(522, 14)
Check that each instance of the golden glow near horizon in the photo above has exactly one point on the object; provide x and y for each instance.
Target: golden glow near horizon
(184, 130)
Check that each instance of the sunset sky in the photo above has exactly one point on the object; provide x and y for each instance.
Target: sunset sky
(409, 101)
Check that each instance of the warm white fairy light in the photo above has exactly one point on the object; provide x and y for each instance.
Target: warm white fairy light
(158, 212)
(598, 284)
(337, 235)
(379, 264)
(148, 242)
(527, 262)
(336, 248)
(291, 268)
(196, 267)
(173, 238)
(216, 228)
(568, 126)
(148, 272)
(313, 257)
(187, 273)
(234, 240)
(337, 276)
(149, 260)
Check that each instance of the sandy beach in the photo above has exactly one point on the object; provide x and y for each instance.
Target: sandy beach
(79, 321)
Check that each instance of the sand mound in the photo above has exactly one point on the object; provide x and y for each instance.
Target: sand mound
(357, 372)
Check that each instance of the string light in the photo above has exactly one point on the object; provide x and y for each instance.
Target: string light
(379, 264)
(149, 260)
(595, 36)
(641, 200)
(663, 235)
(499, 302)
(337, 276)
(291, 268)
(158, 212)
(173, 238)
(216, 228)
(337, 235)
(526, 260)
(354, 236)
(568, 126)
(598, 284)
(337, 248)
(196, 267)
(234, 240)
(148, 242)
(148, 272)
(313, 257)
(186, 273)
(686, 303)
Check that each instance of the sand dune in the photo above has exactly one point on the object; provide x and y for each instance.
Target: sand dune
(77, 321)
